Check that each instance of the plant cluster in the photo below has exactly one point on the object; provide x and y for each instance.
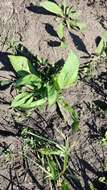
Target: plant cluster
(40, 84)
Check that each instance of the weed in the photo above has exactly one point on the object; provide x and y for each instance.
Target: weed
(52, 158)
(66, 17)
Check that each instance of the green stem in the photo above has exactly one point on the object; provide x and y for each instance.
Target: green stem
(37, 164)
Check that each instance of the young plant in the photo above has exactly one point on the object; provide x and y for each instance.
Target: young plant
(39, 84)
(67, 17)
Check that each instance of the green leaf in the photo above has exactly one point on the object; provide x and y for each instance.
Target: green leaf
(49, 152)
(68, 74)
(52, 94)
(52, 7)
(53, 170)
(100, 48)
(65, 185)
(29, 79)
(60, 30)
(33, 104)
(21, 65)
(20, 99)
(66, 111)
(5, 82)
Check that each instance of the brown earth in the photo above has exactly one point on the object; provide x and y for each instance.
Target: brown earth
(24, 22)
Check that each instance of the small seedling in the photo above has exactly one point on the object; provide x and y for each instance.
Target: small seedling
(40, 84)
(66, 17)
(95, 58)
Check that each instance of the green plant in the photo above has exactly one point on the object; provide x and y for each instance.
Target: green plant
(101, 49)
(39, 84)
(67, 17)
(51, 157)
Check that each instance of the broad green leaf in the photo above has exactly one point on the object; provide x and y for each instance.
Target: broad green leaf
(20, 99)
(52, 7)
(29, 79)
(60, 30)
(66, 111)
(100, 48)
(30, 100)
(5, 82)
(33, 104)
(21, 65)
(52, 94)
(68, 74)
(65, 185)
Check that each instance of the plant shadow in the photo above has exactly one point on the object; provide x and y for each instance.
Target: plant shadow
(79, 44)
(50, 29)
(5, 61)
